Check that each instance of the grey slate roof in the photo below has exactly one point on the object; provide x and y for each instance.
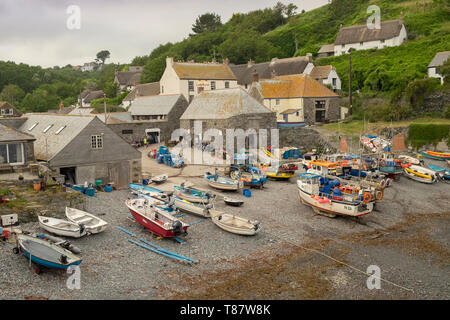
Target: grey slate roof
(116, 117)
(360, 33)
(222, 104)
(49, 144)
(439, 59)
(8, 134)
(153, 105)
(145, 89)
(281, 67)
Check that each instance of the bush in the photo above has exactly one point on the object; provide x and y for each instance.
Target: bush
(422, 134)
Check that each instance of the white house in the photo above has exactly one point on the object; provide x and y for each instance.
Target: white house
(88, 67)
(391, 34)
(190, 78)
(439, 59)
(327, 75)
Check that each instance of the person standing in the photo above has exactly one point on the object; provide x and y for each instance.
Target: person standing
(145, 142)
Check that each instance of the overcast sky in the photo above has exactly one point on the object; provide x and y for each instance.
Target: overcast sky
(35, 31)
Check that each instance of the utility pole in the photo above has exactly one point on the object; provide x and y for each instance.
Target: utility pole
(350, 83)
(104, 105)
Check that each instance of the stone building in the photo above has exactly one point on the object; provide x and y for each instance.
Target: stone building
(297, 99)
(154, 117)
(128, 80)
(327, 75)
(83, 149)
(8, 110)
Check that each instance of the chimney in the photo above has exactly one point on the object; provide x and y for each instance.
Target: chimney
(169, 61)
(61, 106)
(255, 76)
(115, 71)
(250, 63)
(226, 61)
(309, 56)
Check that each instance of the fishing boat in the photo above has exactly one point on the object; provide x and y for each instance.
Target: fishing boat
(235, 224)
(62, 227)
(159, 200)
(332, 202)
(436, 155)
(193, 195)
(233, 202)
(441, 171)
(160, 179)
(389, 165)
(155, 220)
(421, 174)
(284, 171)
(408, 159)
(92, 223)
(250, 176)
(45, 253)
(223, 183)
(140, 187)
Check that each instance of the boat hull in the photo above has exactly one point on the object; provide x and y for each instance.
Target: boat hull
(422, 178)
(95, 228)
(235, 229)
(435, 156)
(188, 207)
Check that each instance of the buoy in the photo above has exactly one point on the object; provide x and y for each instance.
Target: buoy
(366, 197)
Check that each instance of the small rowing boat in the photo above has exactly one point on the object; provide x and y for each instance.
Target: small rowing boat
(155, 220)
(160, 179)
(441, 171)
(233, 202)
(223, 183)
(141, 187)
(421, 174)
(193, 195)
(93, 224)
(62, 227)
(45, 253)
(408, 159)
(235, 224)
(436, 155)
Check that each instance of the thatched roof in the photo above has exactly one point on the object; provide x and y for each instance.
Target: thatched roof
(361, 33)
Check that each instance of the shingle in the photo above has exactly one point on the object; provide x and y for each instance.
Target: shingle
(222, 104)
(361, 33)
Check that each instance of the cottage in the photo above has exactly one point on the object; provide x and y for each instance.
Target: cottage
(391, 34)
(297, 99)
(439, 59)
(327, 50)
(127, 80)
(190, 78)
(85, 98)
(7, 110)
(141, 90)
(152, 117)
(327, 75)
(16, 148)
(83, 148)
(88, 67)
(268, 70)
(227, 109)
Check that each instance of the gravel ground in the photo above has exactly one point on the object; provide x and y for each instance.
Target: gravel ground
(407, 237)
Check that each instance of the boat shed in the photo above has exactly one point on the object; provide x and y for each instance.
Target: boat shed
(83, 148)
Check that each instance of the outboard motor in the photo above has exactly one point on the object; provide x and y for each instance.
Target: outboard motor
(177, 227)
(82, 228)
(63, 259)
(256, 224)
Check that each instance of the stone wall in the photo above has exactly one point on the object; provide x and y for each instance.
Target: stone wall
(305, 139)
(332, 107)
(436, 102)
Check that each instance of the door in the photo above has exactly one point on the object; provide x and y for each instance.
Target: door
(320, 115)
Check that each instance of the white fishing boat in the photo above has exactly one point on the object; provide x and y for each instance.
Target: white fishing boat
(408, 159)
(235, 224)
(160, 179)
(421, 174)
(93, 224)
(62, 227)
(335, 202)
(223, 183)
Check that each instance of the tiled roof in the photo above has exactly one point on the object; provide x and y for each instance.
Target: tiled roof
(361, 33)
(8, 134)
(222, 104)
(144, 90)
(321, 72)
(294, 86)
(203, 71)
(439, 59)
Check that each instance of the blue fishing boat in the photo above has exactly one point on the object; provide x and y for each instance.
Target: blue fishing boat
(445, 173)
(193, 195)
(46, 254)
(141, 187)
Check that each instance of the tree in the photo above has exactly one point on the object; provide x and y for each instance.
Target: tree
(444, 71)
(206, 22)
(12, 94)
(290, 10)
(102, 56)
(153, 69)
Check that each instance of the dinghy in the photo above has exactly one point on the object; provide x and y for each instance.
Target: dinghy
(421, 174)
(93, 224)
(235, 224)
(155, 220)
(62, 227)
(141, 187)
(436, 155)
(408, 159)
(222, 182)
(160, 179)
(45, 253)
(193, 195)
(441, 171)
(233, 202)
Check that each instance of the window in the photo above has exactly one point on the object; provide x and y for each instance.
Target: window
(320, 104)
(382, 41)
(97, 142)
(227, 85)
(162, 89)
(343, 46)
(277, 102)
(48, 128)
(334, 81)
(191, 85)
(60, 129)
(11, 153)
(361, 43)
(213, 85)
(33, 126)
(297, 113)
(246, 86)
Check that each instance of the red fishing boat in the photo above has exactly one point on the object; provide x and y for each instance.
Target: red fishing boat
(157, 221)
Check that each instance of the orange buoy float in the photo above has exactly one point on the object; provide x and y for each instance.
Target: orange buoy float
(367, 197)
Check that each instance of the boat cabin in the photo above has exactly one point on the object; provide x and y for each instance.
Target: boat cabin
(322, 167)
